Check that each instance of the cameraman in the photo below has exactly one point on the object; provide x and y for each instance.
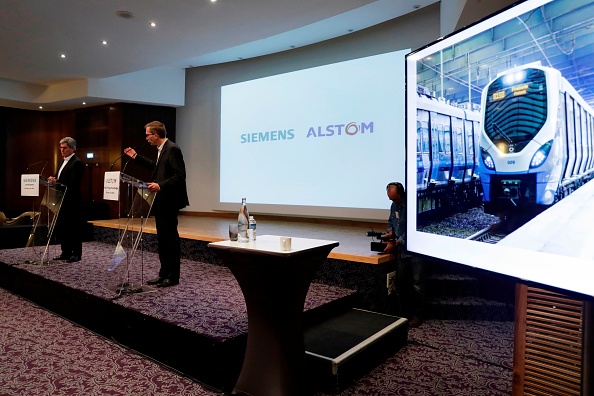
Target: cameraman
(410, 279)
(396, 233)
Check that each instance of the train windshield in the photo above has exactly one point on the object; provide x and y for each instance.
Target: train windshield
(516, 109)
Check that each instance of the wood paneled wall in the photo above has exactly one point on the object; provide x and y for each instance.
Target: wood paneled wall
(33, 136)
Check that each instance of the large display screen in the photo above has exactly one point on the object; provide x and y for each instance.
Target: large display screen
(330, 136)
(500, 145)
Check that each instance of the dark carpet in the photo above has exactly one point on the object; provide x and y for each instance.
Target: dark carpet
(43, 354)
(207, 301)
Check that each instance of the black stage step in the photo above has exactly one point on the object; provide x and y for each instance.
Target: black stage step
(344, 347)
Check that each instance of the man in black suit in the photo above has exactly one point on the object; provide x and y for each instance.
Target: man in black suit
(169, 182)
(69, 224)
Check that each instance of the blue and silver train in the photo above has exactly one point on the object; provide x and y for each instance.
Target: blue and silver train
(447, 159)
(536, 143)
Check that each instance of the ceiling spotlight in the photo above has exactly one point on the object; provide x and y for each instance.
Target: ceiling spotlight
(104, 42)
(41, 107)
(153, 24)
(84, 103)
(213, 1)
(62, 55)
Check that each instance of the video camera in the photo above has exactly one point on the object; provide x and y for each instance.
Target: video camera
(377, 246)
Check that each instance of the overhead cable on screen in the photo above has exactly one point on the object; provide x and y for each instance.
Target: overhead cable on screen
(553, 35)
(535, 41)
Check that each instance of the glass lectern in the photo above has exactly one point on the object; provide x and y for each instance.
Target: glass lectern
(135, 204)
(44, 221)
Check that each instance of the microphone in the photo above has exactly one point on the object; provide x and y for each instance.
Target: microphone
(44, 165)
(37, 163)
(135, 149)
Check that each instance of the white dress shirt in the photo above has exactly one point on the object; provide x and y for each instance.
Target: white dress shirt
(64, 164)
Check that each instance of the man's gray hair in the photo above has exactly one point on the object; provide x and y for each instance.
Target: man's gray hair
(69, 141)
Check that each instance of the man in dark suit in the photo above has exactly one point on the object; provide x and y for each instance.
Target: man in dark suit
(169, 182)
(69, 224)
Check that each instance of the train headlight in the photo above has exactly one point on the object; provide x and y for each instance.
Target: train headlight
(487, 160)
(541, 155)
(514, 78)
(548, 197)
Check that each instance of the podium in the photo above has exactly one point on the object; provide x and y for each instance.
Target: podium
(274, 283)
(135, 202)
(46, 214)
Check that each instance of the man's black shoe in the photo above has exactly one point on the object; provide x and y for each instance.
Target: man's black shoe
(154, 281)
(74, 259)
(167, 282)
(61, 257)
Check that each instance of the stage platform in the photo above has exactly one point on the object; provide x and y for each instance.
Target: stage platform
(352, 235)
(198, 327)
(351, 265)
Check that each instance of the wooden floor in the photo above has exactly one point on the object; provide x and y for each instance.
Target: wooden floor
(352, 236)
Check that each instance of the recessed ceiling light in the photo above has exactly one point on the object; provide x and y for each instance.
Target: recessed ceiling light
(153, 24)
(104, 42)
(125, 14)
(41, 107)
(62, 55)
(84, 103)
(213, 1)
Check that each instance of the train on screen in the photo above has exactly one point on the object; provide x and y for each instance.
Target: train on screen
(447, 156)
(537, 140)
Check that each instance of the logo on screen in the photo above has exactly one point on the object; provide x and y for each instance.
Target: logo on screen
(350, 129)
(270, 136)
(110, 180)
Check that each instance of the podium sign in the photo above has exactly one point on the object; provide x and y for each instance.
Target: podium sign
(111, 186)
(30, 185)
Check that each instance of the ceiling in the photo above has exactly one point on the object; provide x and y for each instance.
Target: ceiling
(34, 34)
